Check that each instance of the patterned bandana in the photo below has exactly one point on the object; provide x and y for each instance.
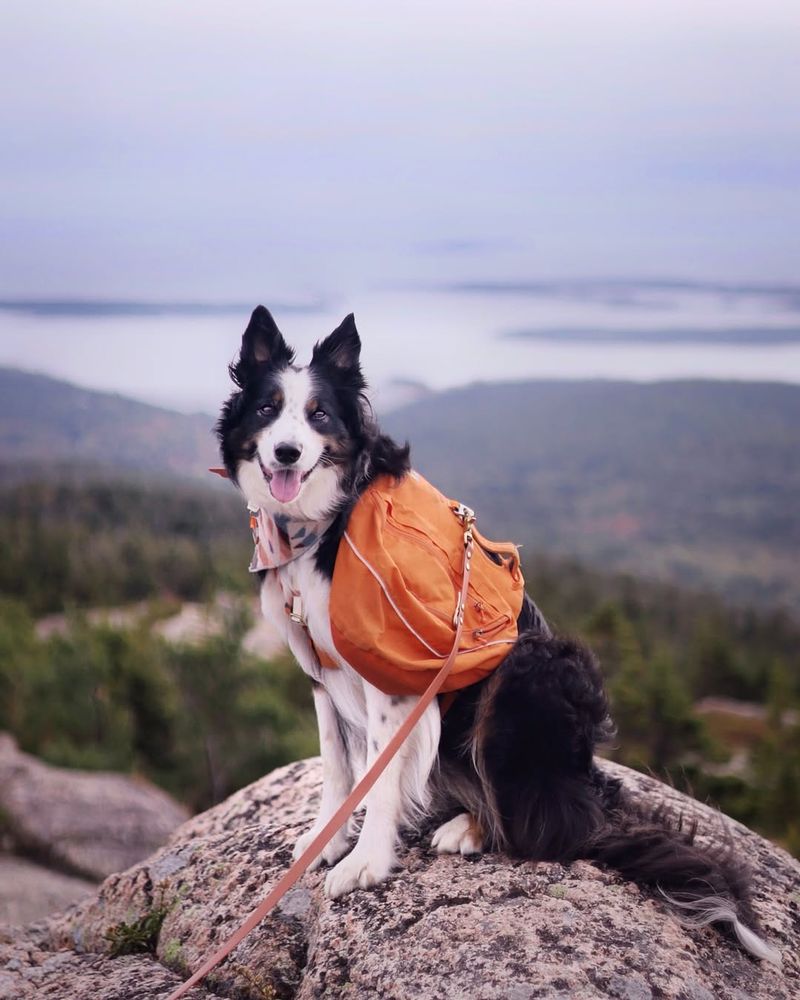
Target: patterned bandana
(280, 539)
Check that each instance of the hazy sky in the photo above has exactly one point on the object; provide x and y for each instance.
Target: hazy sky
(260, 150)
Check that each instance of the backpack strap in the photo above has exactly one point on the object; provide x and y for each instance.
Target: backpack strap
(506, 552)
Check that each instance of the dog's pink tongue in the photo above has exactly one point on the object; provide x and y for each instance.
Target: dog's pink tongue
(285, 484)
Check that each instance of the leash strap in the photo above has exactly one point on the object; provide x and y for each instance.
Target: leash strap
(354, 799)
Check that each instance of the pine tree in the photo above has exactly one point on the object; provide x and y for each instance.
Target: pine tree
(776, 761)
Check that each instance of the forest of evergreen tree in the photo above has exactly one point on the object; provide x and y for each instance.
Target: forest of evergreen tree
(202, 719)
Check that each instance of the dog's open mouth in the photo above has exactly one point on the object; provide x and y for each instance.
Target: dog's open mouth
(285, 484)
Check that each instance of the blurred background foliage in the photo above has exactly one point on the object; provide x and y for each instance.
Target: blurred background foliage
(704, 693)
(199, 718)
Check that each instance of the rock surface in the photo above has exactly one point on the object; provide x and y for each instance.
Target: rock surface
(29, 891)
(29, 970)
(85, 823)
(443, 927)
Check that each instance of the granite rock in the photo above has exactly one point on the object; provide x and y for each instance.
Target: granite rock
(442, 927)
(29, 891)
(84, 823)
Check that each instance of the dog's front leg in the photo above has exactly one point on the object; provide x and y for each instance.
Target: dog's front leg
(398, 795)
(337, 780)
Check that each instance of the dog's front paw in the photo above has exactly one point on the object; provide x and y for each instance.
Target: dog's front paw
(360, 869)
(332, 851)
(461, 835)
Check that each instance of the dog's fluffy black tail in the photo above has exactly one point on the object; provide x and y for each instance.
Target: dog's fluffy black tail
(703, 885)
(536, 727)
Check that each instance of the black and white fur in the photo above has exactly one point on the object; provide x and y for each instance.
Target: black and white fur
(512, 760)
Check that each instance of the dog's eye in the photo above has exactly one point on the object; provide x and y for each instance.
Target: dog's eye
(319, 415)
(266, 410)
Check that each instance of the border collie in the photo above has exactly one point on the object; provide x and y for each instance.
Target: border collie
(511, 762)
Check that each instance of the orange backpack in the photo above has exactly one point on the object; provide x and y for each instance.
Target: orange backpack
(396, 584)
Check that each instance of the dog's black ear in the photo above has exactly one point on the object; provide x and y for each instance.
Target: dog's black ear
(342, 349)
(262, 343)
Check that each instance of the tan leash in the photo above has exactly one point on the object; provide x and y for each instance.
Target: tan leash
(355, 797)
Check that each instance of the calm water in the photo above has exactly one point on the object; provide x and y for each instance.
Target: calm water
(442, 338)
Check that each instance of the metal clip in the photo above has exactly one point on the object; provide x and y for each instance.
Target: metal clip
(296, 614)
(465, 514)
(467, 517)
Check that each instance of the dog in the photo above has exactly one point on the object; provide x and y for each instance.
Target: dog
(511, 763)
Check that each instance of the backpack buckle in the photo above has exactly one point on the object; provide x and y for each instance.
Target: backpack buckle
(295, 610)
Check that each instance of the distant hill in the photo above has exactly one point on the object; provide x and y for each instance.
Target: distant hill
(694, 481)
(44, 420)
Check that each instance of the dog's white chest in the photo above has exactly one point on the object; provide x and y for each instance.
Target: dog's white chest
(300, 579)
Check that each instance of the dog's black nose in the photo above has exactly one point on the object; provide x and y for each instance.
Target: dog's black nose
(287, 454)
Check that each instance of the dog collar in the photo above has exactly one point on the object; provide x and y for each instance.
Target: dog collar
(280, 539)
